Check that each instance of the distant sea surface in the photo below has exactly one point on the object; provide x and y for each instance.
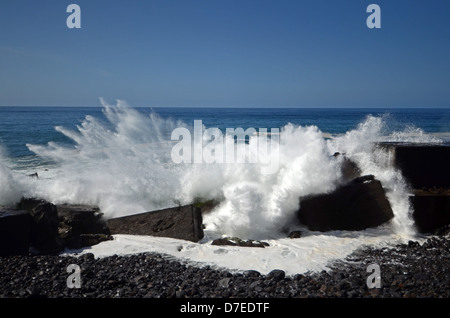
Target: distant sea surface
(36, 125)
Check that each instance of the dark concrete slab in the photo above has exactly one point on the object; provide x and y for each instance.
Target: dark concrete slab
(183, 222)
(423, 165)
(15, 231)
(357, 205)
(431, 210)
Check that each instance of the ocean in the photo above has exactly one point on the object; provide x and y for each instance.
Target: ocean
(123, 160)
(20, 126)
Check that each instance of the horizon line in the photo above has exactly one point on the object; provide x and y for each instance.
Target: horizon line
(242, 107)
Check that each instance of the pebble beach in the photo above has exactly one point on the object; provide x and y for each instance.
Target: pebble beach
(412, 270)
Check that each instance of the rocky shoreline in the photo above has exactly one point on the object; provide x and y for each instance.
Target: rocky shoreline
(410, 270)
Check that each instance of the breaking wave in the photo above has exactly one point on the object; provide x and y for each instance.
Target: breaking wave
(123, 164)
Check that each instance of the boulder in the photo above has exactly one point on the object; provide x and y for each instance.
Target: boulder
(182, 222)
(15, 231)
(357, 205)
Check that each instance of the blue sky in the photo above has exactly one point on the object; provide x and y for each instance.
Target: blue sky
(226, 53)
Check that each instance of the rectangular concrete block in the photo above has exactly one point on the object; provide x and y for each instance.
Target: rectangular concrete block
(15, 231)
(423, 165)
(183, 222)
(431, 210)
(426, 167)
(355, 206)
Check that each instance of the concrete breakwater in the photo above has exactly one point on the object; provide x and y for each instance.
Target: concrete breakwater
(426, 167)
(44, 228)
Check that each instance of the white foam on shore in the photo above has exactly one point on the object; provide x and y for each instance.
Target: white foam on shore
(311, 253)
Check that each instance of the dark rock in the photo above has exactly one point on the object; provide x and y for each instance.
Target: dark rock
(85, 240)
(180, 294)
(29, 204)
(183, 222)
(224, 282)
(45, 231)
(350, 283)
(295, 234)
(223, 241)
(88, 257)
(413, 244)
(235, 241)
(251, 273)
(35, 292)
(349, 169)
(276, 275)
(357, 205)
(15, 231)
(82, 219)
(81, 225)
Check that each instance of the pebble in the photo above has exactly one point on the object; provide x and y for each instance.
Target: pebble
(406, 271)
